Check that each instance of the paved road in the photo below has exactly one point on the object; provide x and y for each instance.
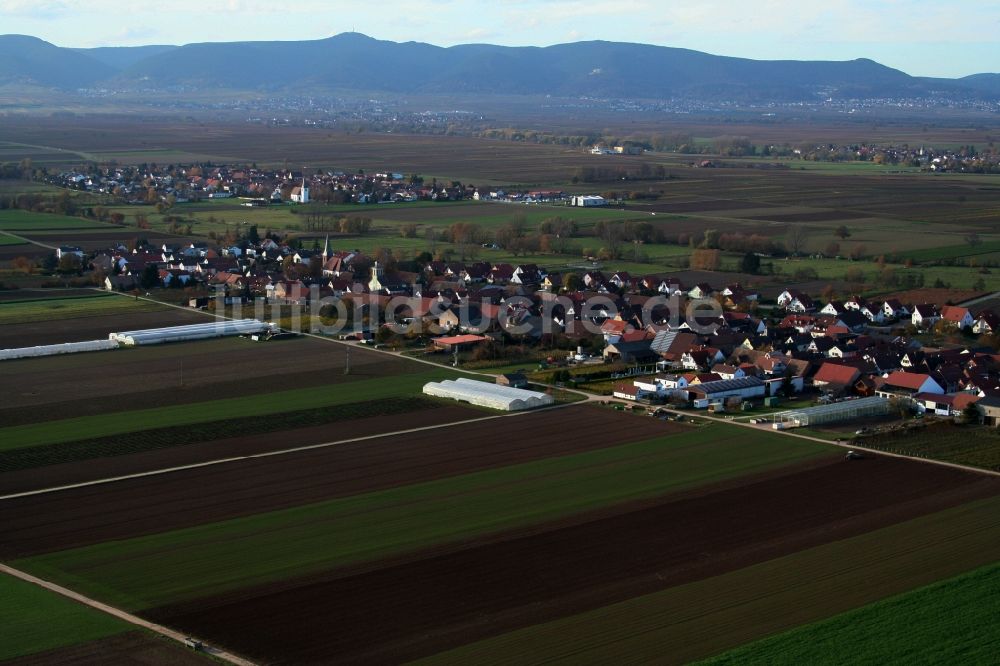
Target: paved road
(979, 299)
(120, 614)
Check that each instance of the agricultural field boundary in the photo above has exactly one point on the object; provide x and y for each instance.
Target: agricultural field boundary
(153, 439)
(594, 398)
(28, 241)
(120, 614)
(678, 625)
(950, 612)
(267, 454)
(398, 520)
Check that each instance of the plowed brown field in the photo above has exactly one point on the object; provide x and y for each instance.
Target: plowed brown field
(81, 516)
(184, 372)
(417, 607)
(104, 468)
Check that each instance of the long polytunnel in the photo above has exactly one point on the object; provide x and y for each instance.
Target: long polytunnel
(213, 329)
(52, 350)
(482, 394)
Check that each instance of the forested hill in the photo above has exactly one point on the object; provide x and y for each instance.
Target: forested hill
(352, 61)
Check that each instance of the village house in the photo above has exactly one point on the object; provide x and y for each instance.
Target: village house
(925, 315)
(908, 384)
(959, 316)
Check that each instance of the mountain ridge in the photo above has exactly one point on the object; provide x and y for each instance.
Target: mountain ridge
(355, 61)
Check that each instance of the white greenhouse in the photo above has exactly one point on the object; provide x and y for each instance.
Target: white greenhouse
(834, 412)
(213, 329)
(483, 394)
(52, 350)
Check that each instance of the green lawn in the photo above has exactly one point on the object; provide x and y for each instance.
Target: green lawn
(33, 619)
(149, 571)
(47, 309)
(706, 617)
(276, 402)
(954, 621)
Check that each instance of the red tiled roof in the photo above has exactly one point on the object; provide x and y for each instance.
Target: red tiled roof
(953, 313)
(910, 380)
(833, 373)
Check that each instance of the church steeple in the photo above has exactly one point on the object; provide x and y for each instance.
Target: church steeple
(375, 283)
(327, 250)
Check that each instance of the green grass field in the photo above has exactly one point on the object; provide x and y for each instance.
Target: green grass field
(951, 621)
(47, 309)
(24, 221)
(701, 619)
(275, 402)
(172, 566)
(964, 251)
(34, 619)
(170, 436)
(6, 240)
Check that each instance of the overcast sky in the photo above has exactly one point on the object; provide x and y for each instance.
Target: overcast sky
(921, 37)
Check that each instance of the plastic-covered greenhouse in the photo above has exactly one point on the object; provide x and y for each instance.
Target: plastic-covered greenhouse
(52, 350)
(483, 394)
(836, 411)
(214, 329)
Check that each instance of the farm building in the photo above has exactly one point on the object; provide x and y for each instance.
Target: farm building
(513, 380)
(589, 200)
(703, 395)
(493, 396)
(450, 342)
(907, 384)
(215, 329)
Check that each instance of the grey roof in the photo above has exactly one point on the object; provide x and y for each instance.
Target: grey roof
(661, 343)
(727, 385)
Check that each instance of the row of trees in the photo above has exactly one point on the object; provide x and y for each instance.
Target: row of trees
(604, 174)
(320, 221)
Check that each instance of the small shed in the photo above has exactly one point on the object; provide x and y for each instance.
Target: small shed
(513, 380)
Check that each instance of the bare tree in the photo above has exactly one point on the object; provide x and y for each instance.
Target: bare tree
(611, 233)
(796, 238)
(433, 236)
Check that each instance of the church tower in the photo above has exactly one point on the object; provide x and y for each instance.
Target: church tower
(327, 250)
(375, 284)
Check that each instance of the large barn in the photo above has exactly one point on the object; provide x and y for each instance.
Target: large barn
(702, 395)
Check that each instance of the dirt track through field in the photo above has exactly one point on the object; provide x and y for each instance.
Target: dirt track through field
(429, 603)
(76, 517)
